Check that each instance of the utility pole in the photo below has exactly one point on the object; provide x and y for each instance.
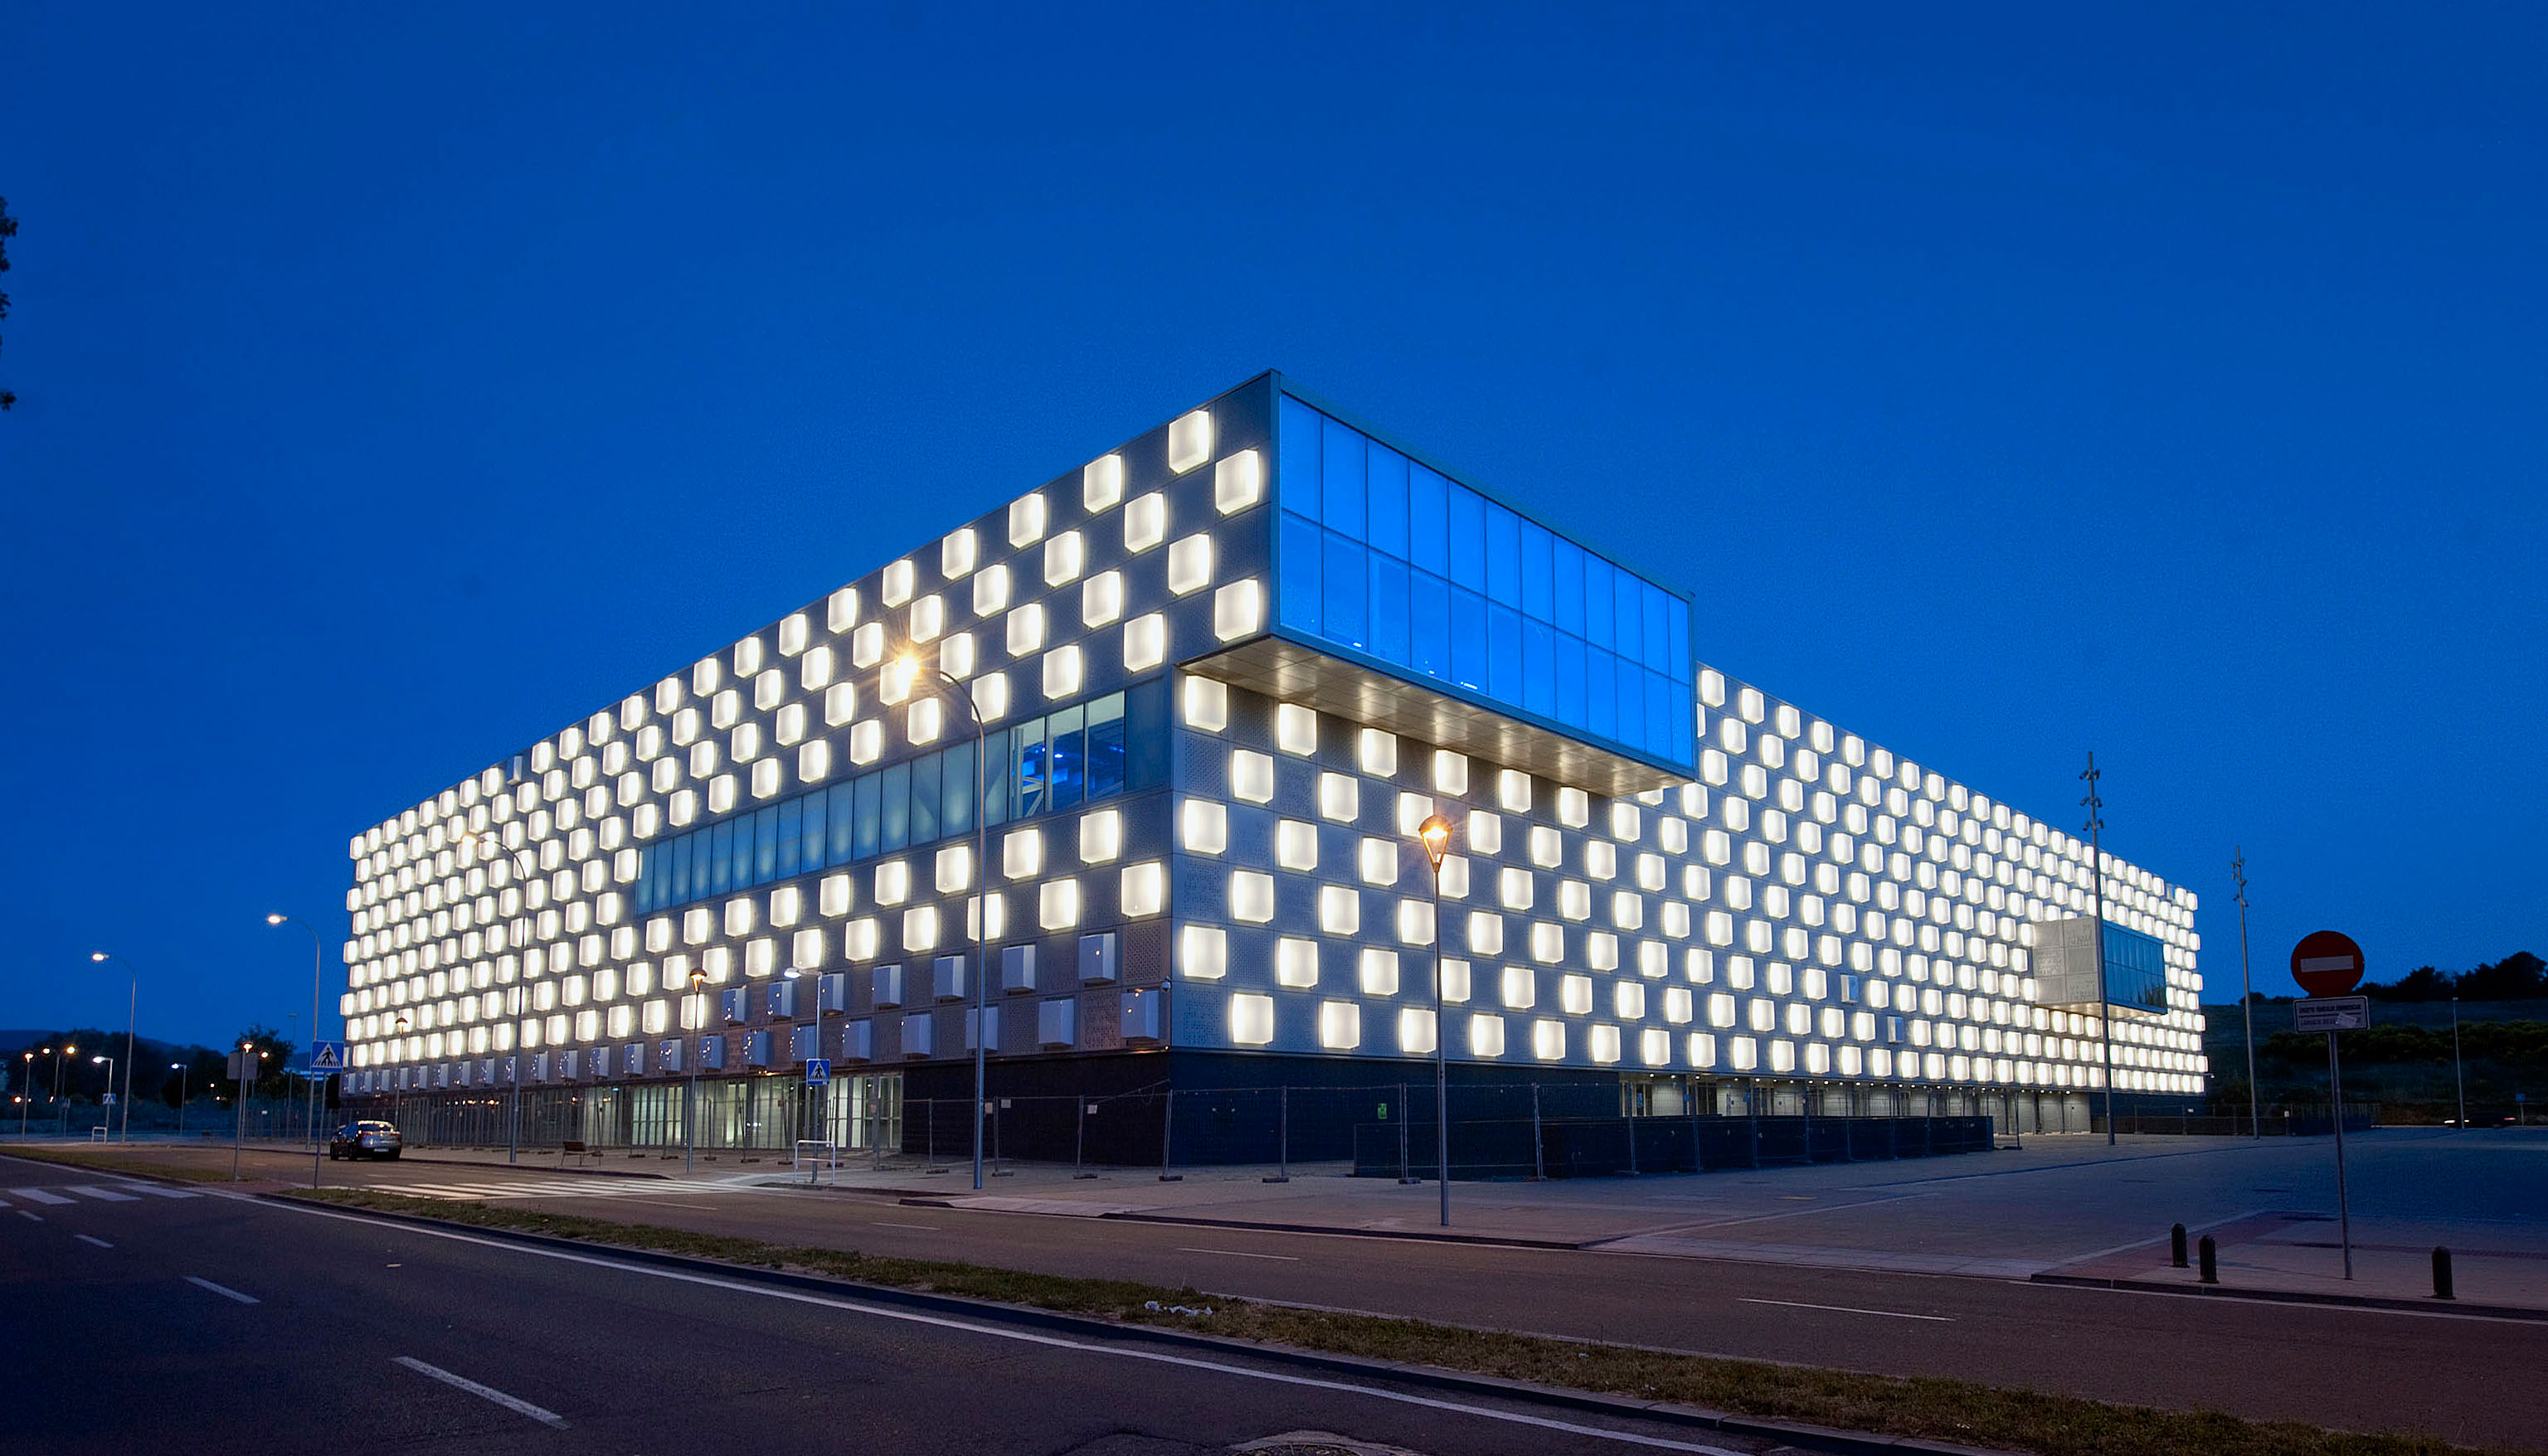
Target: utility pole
(2105, 999)
(2247, 992)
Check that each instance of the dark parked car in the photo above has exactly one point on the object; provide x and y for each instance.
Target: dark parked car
(365, 1139)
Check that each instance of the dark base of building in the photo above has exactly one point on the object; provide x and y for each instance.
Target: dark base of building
(1172, 1108)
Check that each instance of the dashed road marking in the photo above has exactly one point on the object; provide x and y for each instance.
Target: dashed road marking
(1847, 1309)
(224, 1291)
(515, 1404)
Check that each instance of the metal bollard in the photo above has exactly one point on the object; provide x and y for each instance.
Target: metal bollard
(2176, 1245)
(2443, 1273)
(2208, 1255)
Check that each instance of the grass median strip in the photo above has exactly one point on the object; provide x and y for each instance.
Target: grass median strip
(1935, 1409)
(139, 1165)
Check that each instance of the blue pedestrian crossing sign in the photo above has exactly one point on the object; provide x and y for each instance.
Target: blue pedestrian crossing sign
(328, 1057)
(818, 1071)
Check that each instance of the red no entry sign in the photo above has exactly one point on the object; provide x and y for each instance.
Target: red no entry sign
(2326, 963)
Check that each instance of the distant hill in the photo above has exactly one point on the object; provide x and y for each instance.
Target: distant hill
(14, 1043)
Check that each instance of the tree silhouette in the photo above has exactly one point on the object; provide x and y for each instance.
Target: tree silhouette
(8, 230)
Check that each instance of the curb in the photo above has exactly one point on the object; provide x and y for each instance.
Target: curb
(1420, 1235)
(1791, 1433)
(2296, 1297)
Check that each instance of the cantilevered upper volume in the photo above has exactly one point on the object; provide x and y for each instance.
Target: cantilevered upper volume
(1223, 672)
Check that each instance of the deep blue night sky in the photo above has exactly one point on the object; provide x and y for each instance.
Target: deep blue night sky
(398, 385)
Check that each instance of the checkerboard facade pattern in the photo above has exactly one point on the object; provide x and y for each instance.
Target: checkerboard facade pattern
(1808, 906)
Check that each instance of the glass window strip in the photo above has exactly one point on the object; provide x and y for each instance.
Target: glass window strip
(1107, 746)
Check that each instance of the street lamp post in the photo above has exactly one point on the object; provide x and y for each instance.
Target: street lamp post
(109, 1075)
(690, 1095)
(62, 1114)
(2459, 1073)
(181, 1069)
(315, 954)
(27, 1088)
(398, 1094)
(239, 1133)
(1435, 832)
(947, 689)
(477, 843)
(132, 1006)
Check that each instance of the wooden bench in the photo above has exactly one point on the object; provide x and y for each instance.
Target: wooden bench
(573, 1149)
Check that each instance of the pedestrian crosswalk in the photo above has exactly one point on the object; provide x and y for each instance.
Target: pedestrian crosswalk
(549, 1188)
(62, 1194)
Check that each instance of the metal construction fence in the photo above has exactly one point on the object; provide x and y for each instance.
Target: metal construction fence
(2280, 1119)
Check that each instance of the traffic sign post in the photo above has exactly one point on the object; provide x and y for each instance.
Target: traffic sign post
(2329, 965)
(328, 1057)
(818, 1071)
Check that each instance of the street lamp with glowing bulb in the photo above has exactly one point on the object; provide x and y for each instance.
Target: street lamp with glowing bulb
(1436, 835)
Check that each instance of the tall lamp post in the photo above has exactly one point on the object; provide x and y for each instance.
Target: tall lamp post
(398, 1094)
(62, 1126)
(2459, 1073)
(1435, 832)
(478, 844)
(315, 953)
(110, 1072)
(27, 1088)
(2247, 992)
(945, 689)
(690, 1095)
(131, 1005)
(239, 1133)
(180, 1068)
(2105, 999)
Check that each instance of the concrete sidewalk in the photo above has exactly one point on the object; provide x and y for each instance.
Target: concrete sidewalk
(2064, 1208)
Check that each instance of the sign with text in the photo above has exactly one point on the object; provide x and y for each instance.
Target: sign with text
(2331, 1014)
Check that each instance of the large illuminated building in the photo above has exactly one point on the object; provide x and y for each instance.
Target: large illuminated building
(1222, 673)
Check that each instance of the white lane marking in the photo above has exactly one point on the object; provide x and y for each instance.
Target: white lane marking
(1847, 1309)
(155, 1191)
(92, 1239)
(103, 1194)
(485, 1393)
(30, 1218)
(226, 1293)
(41, 1196)
(924, 1227)
(1238, 1254)
(1829, 1208)
(1053, 1341)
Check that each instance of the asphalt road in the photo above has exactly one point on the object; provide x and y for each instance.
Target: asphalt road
(192, 1320)
(2473, 1379)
